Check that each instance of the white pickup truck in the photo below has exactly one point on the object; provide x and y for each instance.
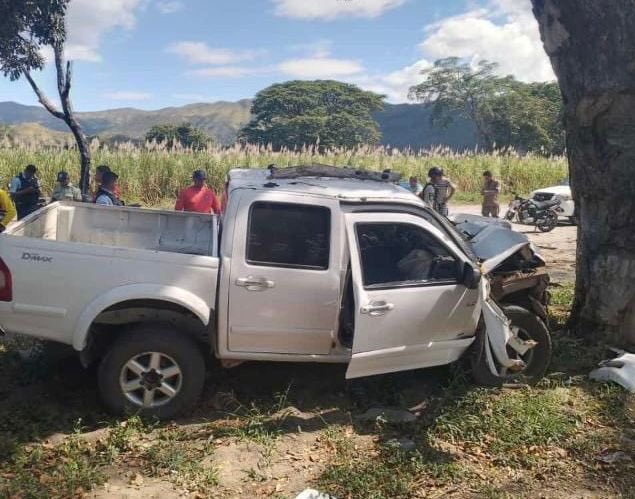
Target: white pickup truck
(302, 266)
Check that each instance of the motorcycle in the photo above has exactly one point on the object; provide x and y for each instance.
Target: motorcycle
(541, 214)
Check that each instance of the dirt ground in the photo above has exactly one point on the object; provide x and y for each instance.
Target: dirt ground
(272, 430)
(557, 247)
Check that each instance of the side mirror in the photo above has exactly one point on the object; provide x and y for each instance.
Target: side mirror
(471, 276)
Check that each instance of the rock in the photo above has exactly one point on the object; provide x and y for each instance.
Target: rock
(615, 457)
(392, 416)
(404, 444)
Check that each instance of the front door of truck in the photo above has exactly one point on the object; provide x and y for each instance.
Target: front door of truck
(411, 309)
(285, 276)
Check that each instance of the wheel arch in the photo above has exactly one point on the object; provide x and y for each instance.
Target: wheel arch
(134, 293)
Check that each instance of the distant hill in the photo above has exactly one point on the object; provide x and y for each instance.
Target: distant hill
(221, 120)
(402, 125)
(34, 133)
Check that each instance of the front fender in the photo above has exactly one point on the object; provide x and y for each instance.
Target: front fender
(171, 294)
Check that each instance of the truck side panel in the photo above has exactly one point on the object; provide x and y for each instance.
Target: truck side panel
(58, 286)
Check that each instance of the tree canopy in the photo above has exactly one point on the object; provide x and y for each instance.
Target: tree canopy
(324, 112)
(25, 27)
(504, 111)
(184, 134)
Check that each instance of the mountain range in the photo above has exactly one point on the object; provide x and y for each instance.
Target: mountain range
(402, 125)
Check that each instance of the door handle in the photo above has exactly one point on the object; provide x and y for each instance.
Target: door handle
(377, 308)
(254, 283)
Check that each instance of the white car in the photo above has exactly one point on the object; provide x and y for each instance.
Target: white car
(562, 193)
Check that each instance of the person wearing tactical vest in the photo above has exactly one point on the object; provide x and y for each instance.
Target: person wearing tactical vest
(106, 194)
(25, 191)
(438, 191)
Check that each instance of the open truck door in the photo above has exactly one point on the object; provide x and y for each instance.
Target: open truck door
(416, 302)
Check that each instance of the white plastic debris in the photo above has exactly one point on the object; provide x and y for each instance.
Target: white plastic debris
(620, 370)
(313, 494)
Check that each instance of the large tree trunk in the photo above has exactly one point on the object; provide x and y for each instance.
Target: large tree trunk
(591, 44)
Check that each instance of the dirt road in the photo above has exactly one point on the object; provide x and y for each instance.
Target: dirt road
(557, 247)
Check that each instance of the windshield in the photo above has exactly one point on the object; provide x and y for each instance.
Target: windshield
(450, 229)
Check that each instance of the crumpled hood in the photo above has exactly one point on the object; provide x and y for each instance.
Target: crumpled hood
(493, 241)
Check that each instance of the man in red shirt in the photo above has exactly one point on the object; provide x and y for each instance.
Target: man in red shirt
(198, 197)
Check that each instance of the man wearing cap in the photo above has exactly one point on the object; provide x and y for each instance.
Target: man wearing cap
(438, 191)
(198, 197)
(106, 195)
(64, 190)
(25, 191)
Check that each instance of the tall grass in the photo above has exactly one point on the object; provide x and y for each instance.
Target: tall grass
(153, 173)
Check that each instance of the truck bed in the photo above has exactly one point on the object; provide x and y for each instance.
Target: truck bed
(69, 262)
(136, 228)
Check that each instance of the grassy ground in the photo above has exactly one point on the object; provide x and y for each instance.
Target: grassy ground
(152, 175)
(267, 430)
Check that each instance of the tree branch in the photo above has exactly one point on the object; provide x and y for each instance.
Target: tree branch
(58, 50)
(44, 100)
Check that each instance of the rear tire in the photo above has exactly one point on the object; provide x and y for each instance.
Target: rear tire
(153, 371)
(533, 328)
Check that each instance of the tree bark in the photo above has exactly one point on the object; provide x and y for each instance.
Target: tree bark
(591, 45)
(64, 78)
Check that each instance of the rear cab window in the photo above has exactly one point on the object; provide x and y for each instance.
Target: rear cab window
(289, 235)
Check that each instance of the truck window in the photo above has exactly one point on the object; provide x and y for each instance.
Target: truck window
(401, 254)
(289, 235)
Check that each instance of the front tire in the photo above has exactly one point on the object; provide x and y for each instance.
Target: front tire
(530, 327)
(153, 371)
(550, 222)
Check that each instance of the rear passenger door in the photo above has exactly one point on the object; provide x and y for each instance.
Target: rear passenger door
(284, 279)
(411, 308)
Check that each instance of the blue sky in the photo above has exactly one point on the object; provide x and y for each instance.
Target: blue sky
(157, 53)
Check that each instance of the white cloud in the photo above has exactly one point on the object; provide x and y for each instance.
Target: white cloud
(125, 95)
(201, 53)
(331, 9)
(193, 97)
(229, 71)
(88, 20)
(320, 67)
(505, 32)
(169, 7)
(394, 85)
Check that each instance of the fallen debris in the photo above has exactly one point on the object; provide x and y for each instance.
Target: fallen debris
(403, 444)
(620, 370)
(383, 415)
(615, 457)
(313, 494)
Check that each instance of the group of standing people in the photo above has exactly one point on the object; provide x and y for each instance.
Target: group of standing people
(25, 193)
(440, 189)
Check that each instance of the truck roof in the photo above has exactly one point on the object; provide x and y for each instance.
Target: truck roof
(350, 189)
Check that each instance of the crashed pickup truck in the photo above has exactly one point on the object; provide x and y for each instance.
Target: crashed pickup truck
(306, 264)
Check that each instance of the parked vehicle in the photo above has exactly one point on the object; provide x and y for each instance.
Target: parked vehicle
(302, 267)
(561, 193)
(541, 214)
